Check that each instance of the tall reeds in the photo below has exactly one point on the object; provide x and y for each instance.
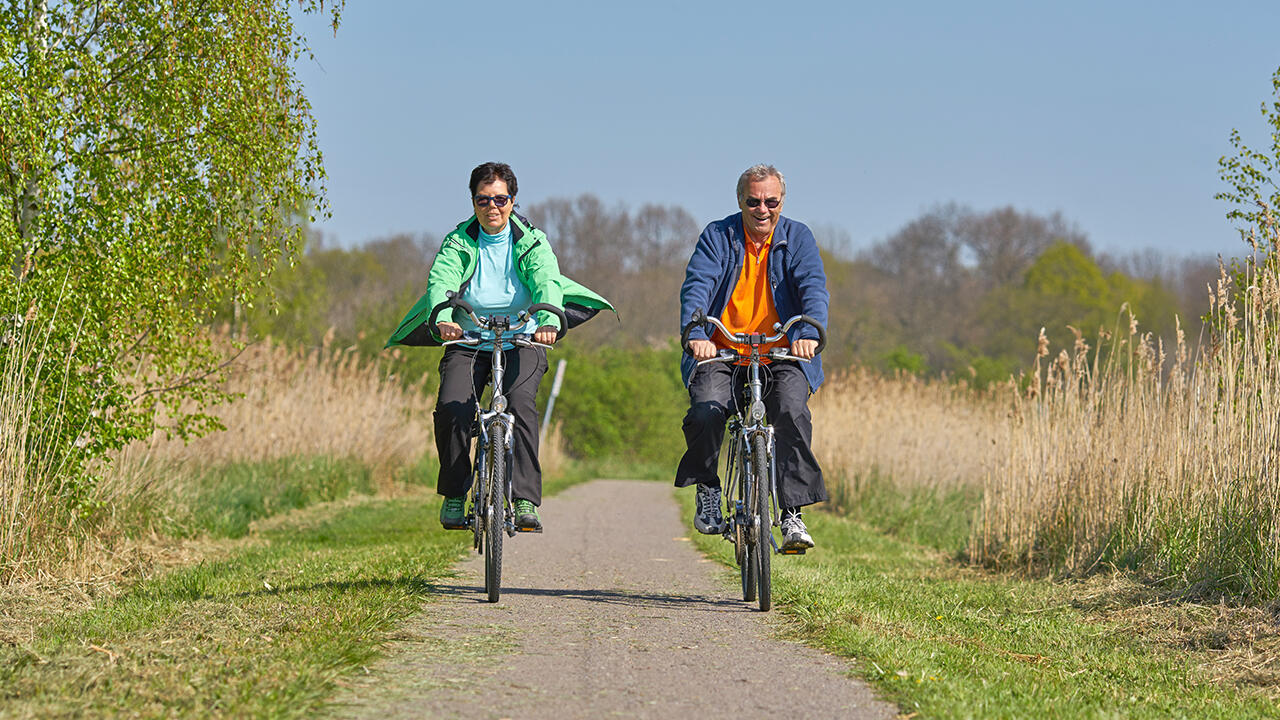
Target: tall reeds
(36, 519)
(290, 403)
(1129, 457)
(918, 433)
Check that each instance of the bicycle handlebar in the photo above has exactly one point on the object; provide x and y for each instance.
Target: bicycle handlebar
(752, 339)
(485, 323)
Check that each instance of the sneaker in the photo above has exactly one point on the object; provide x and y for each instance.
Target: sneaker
(795, 536)
(453, 513)
(708, 520)
(527, 516)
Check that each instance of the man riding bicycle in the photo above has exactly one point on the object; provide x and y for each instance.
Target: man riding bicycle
(499, 264)
(751, 270)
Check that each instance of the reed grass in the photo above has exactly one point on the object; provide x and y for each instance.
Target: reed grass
(36, 517)
(292, 405)
(922, 433)
(1161, 460)
(301, 407)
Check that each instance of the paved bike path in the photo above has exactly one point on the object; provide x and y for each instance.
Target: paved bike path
(609, 613)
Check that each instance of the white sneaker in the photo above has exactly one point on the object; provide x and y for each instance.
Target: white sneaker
(708, 519)
(795, 536)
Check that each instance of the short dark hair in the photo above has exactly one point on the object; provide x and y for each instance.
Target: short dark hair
(490, 171)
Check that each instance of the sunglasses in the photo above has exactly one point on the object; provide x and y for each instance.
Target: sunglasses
(497, 200)
(771, 203)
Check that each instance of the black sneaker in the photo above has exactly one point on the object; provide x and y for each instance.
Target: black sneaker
(527, 519)
(708, 519)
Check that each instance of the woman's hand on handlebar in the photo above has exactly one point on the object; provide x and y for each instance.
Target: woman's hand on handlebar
(702, 349)
(449, 331)
(804, 348)
(545, 335)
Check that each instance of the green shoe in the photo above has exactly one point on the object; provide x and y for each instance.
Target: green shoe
(453, 513)
(527, 516)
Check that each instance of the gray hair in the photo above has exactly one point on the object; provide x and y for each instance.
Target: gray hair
(759, 172)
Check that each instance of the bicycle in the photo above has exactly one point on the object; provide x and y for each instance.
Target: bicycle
(492, 509)
(750, 465)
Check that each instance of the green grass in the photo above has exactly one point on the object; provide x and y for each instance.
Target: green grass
(948, 642)
(265, 630)
(263, 633)
(937, 519)
(225, 500)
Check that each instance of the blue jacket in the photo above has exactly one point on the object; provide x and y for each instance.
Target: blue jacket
(795, 274)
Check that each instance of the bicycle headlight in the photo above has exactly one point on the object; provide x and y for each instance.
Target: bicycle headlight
(500, 403)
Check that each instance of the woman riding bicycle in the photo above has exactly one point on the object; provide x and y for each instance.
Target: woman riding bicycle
(499, 264)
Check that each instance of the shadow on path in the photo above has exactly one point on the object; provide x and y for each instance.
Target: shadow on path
(701, 603)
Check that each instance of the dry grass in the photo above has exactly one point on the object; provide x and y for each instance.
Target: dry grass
(1168, 464)
(296, 403)
(320, 403)
(34, 515)
(920, 433)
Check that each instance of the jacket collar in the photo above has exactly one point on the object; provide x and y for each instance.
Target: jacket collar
(517, 228)
(738, 236)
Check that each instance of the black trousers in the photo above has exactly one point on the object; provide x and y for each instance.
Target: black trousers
(712, 391)
(463, 374)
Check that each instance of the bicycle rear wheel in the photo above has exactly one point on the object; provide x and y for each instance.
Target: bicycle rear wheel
(495, 511)
(763, 550)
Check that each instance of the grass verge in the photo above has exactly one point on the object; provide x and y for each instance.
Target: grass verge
(264, 627)
(943, 641)
(265, 632)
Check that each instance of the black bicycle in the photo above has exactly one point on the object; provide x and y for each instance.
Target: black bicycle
(492, 510)
(751, 473)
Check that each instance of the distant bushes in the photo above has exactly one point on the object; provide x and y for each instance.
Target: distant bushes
(622, 403)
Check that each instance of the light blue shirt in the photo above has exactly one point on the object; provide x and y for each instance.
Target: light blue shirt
(495, 288)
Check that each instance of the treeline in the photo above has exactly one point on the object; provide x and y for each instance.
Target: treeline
(954, 291)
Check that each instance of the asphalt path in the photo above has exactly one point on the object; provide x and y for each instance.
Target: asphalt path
(609, 613)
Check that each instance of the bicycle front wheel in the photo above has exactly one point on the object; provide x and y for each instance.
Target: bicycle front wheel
(763, 550)
(495, 511)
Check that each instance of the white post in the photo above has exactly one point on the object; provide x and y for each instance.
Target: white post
(551, 401)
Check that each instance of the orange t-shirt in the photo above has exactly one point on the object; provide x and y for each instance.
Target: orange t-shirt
(750, 308)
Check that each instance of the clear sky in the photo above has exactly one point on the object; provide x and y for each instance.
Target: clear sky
(1114, 113)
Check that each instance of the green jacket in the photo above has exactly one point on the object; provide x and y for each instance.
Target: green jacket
(536, 265)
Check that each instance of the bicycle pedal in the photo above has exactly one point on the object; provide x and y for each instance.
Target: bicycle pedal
(536, 531)
(792, 551)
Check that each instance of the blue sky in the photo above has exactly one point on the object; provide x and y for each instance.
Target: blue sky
(1113, 113)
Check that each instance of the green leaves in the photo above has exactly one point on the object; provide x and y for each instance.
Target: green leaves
(156, 159)
(1254, 192)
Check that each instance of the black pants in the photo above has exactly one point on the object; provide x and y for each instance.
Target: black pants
(786, 396)
(463, 374)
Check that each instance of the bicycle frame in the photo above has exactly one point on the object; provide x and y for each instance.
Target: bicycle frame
(496, 413)
(744, 425)
(755, 509)
(492, 500)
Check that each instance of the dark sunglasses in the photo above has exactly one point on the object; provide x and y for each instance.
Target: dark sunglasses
(497, 200)
(771, 203)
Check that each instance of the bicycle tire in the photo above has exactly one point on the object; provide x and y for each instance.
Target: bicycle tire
(734, 471)
(742, 536)
(763, 551)
(477, 498)
(495, 510)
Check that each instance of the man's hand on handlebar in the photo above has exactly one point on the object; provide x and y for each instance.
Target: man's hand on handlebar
(545, 335)
(804, 348)
(702, 349)
(449, 331)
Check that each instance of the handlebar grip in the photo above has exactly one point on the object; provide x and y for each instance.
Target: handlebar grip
(698, 318)
(822, 333)
(564, 321)
(453, 301)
